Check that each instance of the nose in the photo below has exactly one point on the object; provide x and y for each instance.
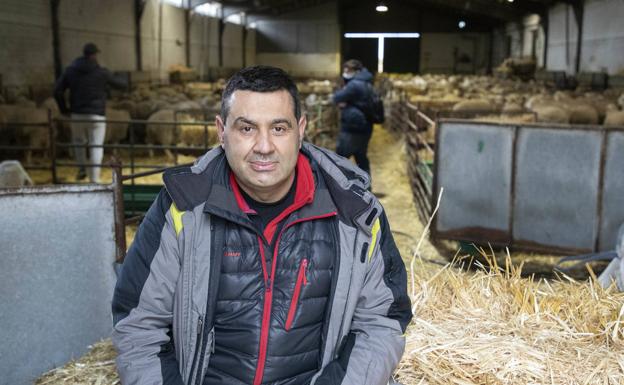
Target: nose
(264, 143)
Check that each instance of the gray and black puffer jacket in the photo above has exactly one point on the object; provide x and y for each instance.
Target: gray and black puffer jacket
(204, 298)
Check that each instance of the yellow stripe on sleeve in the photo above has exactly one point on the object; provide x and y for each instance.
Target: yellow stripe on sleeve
(376, 227)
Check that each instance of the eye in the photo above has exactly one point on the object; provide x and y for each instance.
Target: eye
(279, 129)
(246, 129)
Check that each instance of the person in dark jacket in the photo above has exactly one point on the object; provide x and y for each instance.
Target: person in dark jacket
(354, 101)
(266, 262)
(87, 83)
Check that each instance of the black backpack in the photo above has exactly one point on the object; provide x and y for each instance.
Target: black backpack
(376, 113)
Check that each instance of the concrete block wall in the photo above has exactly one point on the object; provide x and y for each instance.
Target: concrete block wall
(26, 57)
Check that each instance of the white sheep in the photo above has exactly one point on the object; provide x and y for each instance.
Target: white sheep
(12, 174)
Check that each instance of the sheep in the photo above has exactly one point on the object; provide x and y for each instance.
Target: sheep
(194, 135)
(30, 126)
(474, 106)
(144, 109)
(512, 108)
(164, 134)
(614, 117)
(551, 114)
(186, 105)
(116, 132)
(581, 113)
(12, 174)
(22, 101)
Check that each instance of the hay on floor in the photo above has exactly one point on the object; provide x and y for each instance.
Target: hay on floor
(495, 327)
(97, 367)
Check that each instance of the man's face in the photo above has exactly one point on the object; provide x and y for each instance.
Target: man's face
(261, 139)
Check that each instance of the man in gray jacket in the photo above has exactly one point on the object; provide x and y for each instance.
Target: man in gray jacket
(266, 262)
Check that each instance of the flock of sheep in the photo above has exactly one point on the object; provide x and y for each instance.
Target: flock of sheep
(459, 95)
(24, 122)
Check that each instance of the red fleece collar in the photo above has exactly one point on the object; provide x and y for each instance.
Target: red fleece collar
(304, 194)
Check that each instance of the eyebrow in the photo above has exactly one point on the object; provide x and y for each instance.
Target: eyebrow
(274, 121)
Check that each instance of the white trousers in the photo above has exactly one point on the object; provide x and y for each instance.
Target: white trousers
(92, 133)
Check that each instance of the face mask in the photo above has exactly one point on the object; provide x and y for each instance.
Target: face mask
(348, 75)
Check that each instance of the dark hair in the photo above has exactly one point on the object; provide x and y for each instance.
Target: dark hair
(353, 64)
(259, 79)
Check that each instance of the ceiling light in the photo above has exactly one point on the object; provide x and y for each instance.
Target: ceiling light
(461, 24)
(511, 1)
(381, 8)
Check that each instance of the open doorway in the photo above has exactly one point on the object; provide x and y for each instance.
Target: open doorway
(384, 52)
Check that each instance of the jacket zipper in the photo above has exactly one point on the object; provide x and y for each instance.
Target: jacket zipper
(301, 280)
(200, 348)
(334, 283)
(268, 295)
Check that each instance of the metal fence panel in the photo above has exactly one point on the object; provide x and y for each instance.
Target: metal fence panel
(56, 276)
(556, 188)
(474, 164)
(613, 195)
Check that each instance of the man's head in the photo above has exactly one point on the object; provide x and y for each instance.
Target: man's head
(351, 67)
(261, 130)
(90, 51)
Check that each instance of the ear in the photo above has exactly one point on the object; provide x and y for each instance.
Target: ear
(220, 129)
(303, 122)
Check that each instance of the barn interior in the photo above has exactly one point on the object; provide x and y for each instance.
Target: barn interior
(501, 152)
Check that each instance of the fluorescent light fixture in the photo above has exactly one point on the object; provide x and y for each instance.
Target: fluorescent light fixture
(381, 8)
(411, 35)
(461, 24)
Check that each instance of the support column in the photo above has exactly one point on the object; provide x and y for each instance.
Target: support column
(578, 8)
(139, 7)
(56, 39)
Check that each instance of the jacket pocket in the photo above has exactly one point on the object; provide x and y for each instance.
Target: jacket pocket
(302, 280)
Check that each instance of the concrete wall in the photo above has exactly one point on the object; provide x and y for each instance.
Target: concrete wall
(603, 36)
(304, 43)
(562, 38)
(26, 57)
(441, 52)
(25, 23)
(602, 40)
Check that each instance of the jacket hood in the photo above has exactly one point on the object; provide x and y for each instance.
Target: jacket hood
(85, 65)
(364, 75)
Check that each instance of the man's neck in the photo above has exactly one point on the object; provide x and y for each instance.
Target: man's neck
(271, 195)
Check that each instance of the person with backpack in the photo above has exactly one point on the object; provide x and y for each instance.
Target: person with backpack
(359, 110)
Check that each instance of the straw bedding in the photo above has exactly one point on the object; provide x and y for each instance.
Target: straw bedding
(495, 327)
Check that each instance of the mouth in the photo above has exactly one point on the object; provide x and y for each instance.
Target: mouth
(263, 166)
